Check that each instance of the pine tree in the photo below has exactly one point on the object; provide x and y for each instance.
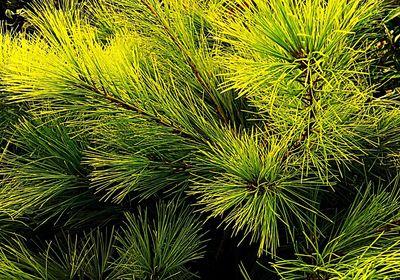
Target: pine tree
(132, 131)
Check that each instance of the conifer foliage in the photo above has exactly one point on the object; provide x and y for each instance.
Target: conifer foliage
(133, 131)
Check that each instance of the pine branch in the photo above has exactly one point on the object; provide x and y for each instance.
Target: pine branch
(188, 58)
(130, 107)
(309, 100)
